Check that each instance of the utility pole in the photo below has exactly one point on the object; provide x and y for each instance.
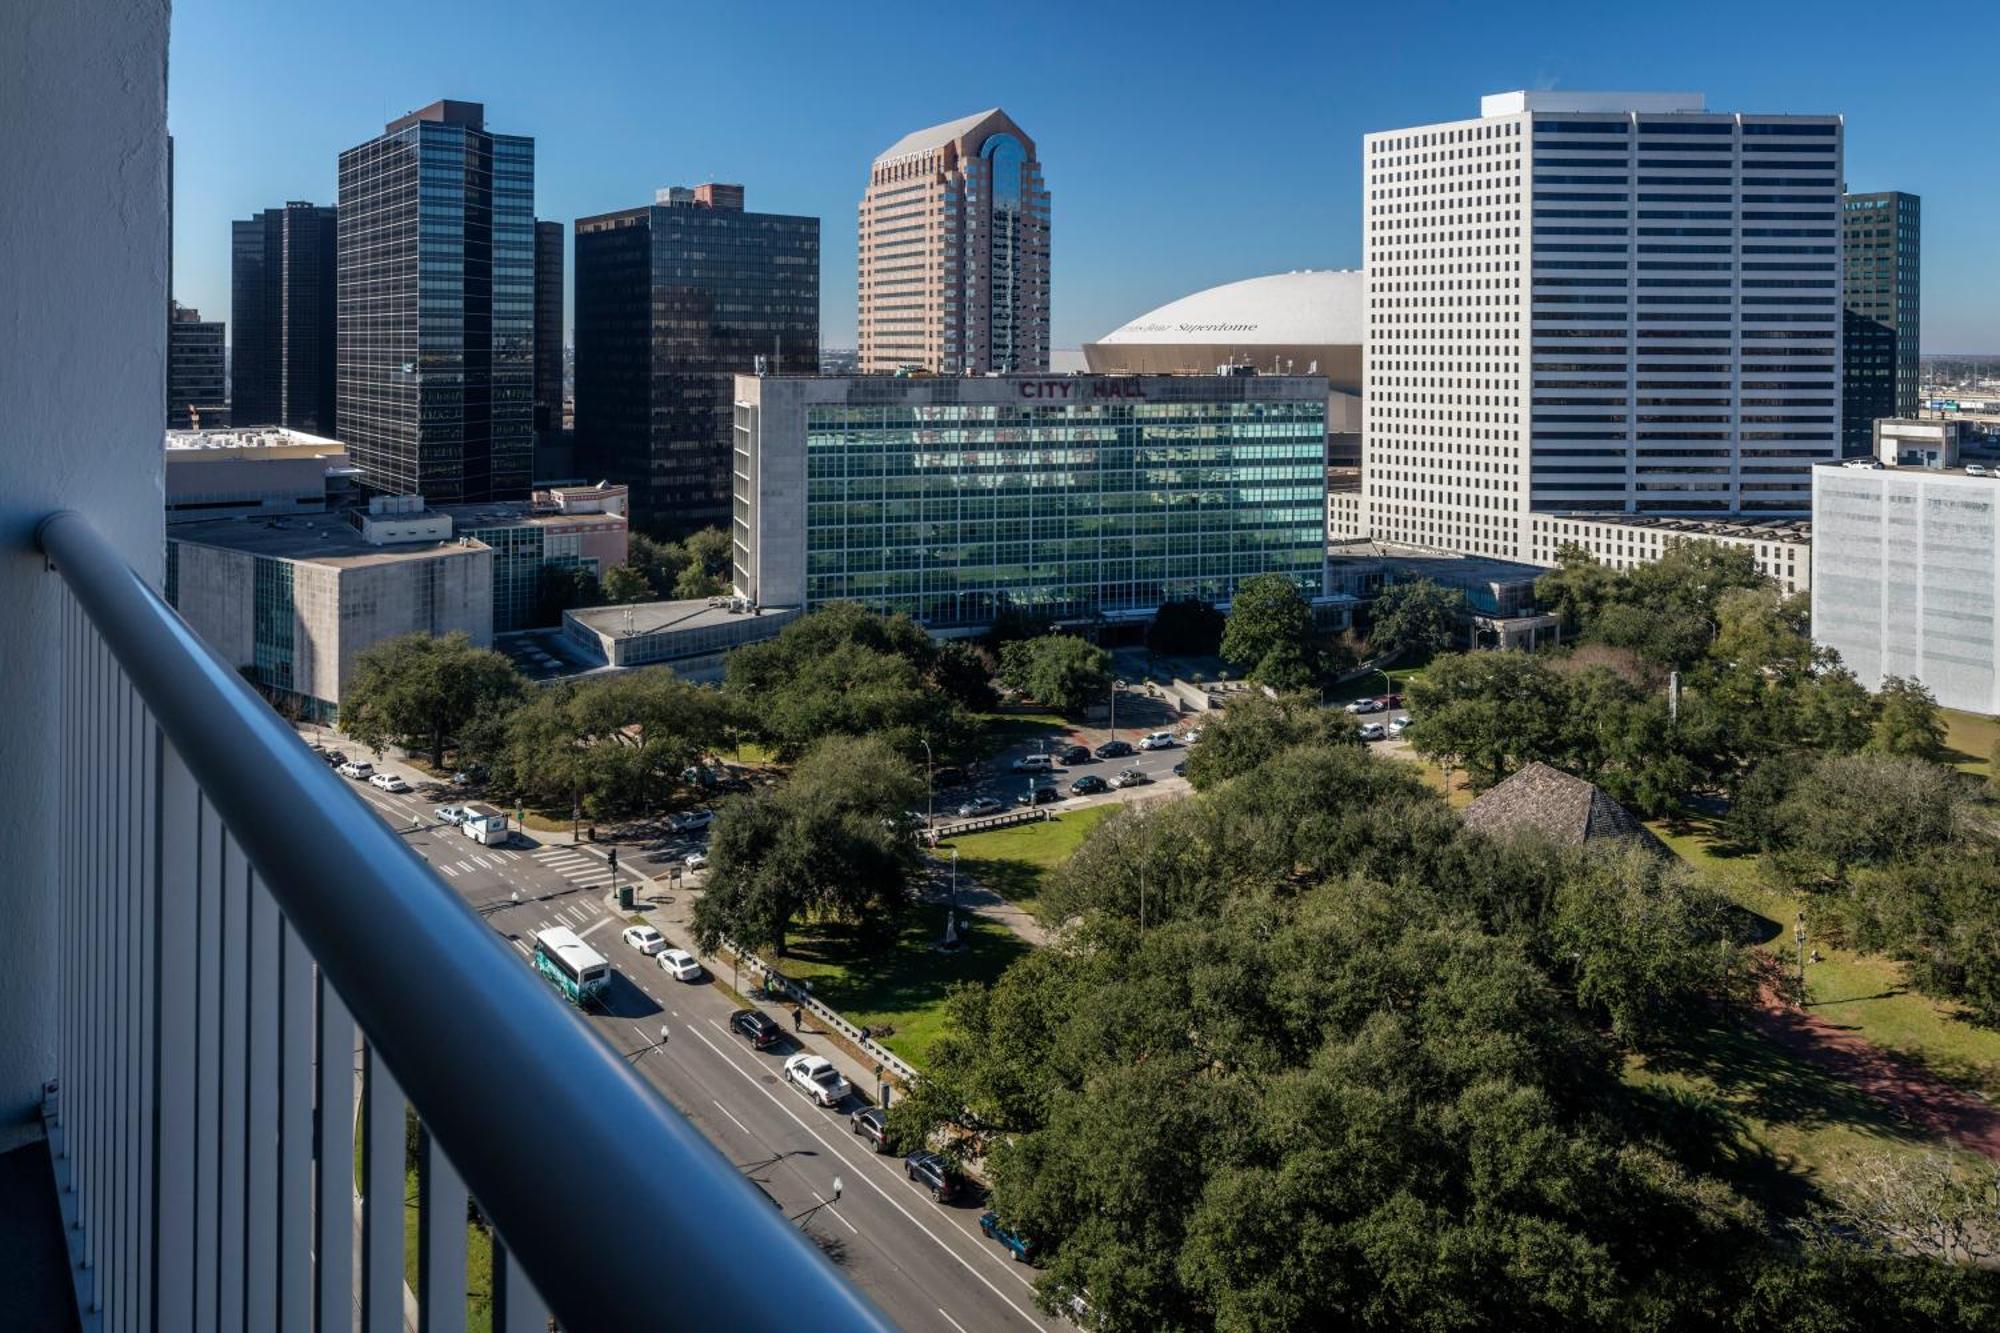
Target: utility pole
(1799, 934)
(930, 791)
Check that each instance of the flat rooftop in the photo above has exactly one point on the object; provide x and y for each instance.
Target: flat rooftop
(474, 516)
(258, 437)
(662, 617)
(1989, 470)
(1746, 526)
(320, 539)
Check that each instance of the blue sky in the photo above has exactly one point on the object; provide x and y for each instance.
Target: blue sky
(1183, 144)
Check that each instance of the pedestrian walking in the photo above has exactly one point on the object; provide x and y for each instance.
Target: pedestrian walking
(798, 1018)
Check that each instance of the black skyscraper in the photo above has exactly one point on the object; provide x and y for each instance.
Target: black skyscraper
(437, 307)
(548, 332)
(671, 301)
(282, 309)
(195, 398)
(1881, 246)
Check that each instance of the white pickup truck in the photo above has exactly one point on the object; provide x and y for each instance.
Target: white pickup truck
(485, 825)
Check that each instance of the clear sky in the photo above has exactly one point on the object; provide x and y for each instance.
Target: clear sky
(1183, 144)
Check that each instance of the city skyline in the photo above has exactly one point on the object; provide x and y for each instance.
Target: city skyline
(1133, 232)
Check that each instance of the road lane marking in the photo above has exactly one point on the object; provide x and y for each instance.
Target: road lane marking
(864, 1176)
(740, 1125)
(822, 1202)
(953, 1322)
(449, 871)
(522, 947)
(601, 921)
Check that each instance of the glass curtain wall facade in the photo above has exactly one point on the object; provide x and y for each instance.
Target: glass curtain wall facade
(1882, 246)
(437, 307)
(672, 301)
(282, 307)
(196, 396)
(949, 512)
(548, 331)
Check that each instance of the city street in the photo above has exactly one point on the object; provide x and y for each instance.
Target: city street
(927, 1265)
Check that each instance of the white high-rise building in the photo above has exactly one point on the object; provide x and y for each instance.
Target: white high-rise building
(1594, 309)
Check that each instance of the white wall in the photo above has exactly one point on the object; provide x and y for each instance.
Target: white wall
(83, 335)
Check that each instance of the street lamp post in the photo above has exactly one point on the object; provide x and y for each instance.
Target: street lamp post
(930, 791)
(1116, 686)
(954, 880)
(1799, 934)
(1388, 682)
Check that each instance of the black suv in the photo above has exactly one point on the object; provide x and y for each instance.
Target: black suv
(756, 1027)
(1115, 750)
(929, 1170)
(871, 1123)
(1039, 796)
(948, 776)
(1072, 754)
(1088, 785)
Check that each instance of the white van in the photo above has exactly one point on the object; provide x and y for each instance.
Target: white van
(485, 825)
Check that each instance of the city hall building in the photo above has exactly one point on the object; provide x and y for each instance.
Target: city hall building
(1072, 497)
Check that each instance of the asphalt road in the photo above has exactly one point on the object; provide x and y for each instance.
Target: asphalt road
(925, 1264)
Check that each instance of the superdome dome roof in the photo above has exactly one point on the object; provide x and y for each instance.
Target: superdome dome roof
(1310, 307)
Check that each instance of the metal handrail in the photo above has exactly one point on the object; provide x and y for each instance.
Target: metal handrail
(580, 1165)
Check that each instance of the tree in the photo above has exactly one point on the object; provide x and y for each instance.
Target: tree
(624, 584)
(560, 588)
(1924, 1203)
(1490, 712)
(709, 555)
(1256, 728)
(1907, 723)
(661, 562)
(832, 843)
(1417, 617)
(419, 692)
(1579, 588)
(616, 744)
(1869, 810)
(1060, 671)
(1186, 627)
(1270, 623)
(963, 672)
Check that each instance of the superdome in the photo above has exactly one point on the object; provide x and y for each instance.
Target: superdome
(1311, 319)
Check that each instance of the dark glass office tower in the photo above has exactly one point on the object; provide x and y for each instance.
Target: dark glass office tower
(282, 275)
(195, 395)
(437, 307)
(1881, 243)
(548, 332)
(671, 300)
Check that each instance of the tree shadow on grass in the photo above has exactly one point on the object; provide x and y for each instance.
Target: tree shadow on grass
(1019, 882)
(862, 970)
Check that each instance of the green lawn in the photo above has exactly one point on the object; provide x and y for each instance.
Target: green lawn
(1012, 861)
(752, 754)
(901, 982)
(999, 730)
(1866, 992)
(1971, 737)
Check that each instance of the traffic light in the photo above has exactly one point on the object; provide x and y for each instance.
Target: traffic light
(614, 860)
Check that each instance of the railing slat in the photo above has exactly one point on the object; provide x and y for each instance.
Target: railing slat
(262, 1129)
(176, 907)
(334, 1219)
(516, 1306)
(233, 1088)
(295, 1135)
(382, 1149)
(442, 1268)
(208, 1073)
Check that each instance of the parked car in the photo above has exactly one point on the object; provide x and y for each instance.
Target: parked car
(1158, 740)
(1180, 769)
(1399, 724)
(1191, 735)
(358, 769)
(756, 1027)
(1018, 1245)
(1978, 470)
(948, 776)
(388, 782)
(931, 1171)
(1385, 702)
(689, 820)
(1088, 785)
(1114, 750)
(449, 814)
(1034, 763)
(680, 965)
(332, 756)
(1365, 704)
(815, 1076)
(468, 777)
(980, 805)
(872, 1124)
(1038, 796)
(1073, 754)
(1131, 777)
(645, 939)
(695, 860)
(1374, 731)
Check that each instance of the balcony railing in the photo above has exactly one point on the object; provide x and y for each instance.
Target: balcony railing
(258, 976)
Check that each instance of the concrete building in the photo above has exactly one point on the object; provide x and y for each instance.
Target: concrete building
(197, 392)
(1311, 322)
(1782, 547)
(954, 260)
(437, 307)
(673, 300)
(567, 528)
(1881, 244)
(1906, 565)
(693, 637)
(1079, 498)
(255, 474)
(1598, 309)
(282, 311)
(294, 601)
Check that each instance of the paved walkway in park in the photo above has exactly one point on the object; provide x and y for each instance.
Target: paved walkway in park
(1924, 1100)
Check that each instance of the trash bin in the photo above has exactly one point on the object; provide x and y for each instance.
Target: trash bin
(624, 897)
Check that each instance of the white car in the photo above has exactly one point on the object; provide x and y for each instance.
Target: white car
(1360, 706)
(1191, 735)
(689, 821)
(680, 965)
(449, 814)
(1399, 724)
(645, 939)
(1159, 740)
(815, 1076)
(1978, 470)
(1374, 731)
(355, 768)
(696, 861)
(983, 805)
(388, 782)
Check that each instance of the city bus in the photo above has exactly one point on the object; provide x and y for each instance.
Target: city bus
(575, 968)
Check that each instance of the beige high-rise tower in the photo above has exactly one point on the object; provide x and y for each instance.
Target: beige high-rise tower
(955, 252)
